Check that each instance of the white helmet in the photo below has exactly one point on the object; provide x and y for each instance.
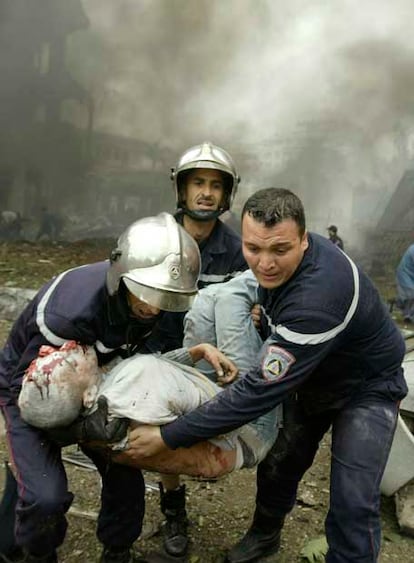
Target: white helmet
(158, 261)
(209, 156)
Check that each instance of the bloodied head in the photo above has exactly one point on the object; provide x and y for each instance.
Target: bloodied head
(58, 384)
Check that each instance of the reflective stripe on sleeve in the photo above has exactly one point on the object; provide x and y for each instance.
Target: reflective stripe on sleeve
(217, 278)
(319, 338)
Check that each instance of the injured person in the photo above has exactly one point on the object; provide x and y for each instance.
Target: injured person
(148, 389)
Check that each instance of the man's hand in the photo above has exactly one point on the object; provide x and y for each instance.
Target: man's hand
(93, 428)
(225, 369)
(255, 313)
(143, 441)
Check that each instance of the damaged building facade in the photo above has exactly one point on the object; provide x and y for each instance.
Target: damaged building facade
(95, 180)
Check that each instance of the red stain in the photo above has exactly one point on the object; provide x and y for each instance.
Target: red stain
(47, 367)
(219, 457)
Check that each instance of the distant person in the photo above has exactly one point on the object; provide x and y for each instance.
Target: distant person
(334, 237)
(17, 226)
(11, 224)
(51, 225)
(405, 285)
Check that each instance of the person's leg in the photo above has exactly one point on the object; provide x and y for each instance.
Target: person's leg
(361, 439)
(122, 507)
(278, 477)
(199, 326)
(201, 460)
(258, 437)
(405, 302)
(279, 474)
(235, 333)
(408, 312)
(220, 316)
(42, 488)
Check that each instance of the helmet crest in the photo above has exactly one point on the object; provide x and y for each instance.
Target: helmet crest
(158, 261)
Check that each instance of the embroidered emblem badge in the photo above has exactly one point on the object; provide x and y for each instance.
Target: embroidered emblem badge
(175, 271)
(276, 363)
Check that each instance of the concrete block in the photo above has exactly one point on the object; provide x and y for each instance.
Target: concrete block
(400, 465)
(404, 504)
(13, 300)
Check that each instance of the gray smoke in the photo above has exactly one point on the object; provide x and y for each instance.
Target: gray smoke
(315, 95)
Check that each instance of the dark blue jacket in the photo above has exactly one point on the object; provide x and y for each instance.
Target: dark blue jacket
(221, 256)
(221, 260)
(73, 306)
(329, 337)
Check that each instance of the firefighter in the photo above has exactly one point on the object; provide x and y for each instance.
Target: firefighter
(113, 306)
(50, 226)
(332, 347)
(205, 183)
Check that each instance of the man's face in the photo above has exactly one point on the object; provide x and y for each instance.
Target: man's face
(204, 190)
(272, 253)
(68, 375)
(140, 309)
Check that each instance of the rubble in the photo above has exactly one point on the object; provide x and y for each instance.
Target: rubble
(13, 300)
(404, 505)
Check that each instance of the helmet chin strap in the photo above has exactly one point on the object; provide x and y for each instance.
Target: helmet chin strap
(203, 215)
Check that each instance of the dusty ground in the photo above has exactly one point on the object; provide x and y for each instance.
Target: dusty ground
(220, 512)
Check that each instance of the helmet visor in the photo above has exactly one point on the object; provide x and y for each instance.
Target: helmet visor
(172, 301)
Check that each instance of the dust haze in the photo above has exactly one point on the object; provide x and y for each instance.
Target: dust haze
(325, 87)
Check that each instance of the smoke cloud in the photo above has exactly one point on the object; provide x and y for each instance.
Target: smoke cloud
(314, 96)
(251, 67)
(317, 95)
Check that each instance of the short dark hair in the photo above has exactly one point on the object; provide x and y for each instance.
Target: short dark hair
(273, 205)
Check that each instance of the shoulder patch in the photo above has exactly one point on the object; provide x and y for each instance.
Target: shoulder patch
(276, 363)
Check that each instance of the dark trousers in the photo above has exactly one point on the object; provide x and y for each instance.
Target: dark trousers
(362, 434)
(44, 497)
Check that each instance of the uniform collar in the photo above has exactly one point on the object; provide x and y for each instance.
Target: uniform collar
(215, 243)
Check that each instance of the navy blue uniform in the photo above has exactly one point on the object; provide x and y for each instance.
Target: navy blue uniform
(331, 343)
(73, 306)
(221, 260)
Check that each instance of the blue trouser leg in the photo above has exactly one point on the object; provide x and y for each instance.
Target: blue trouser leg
(122, 502)
(277, 481)
(362, 435)
(405, 301)
(44, 497)
(42, 486)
